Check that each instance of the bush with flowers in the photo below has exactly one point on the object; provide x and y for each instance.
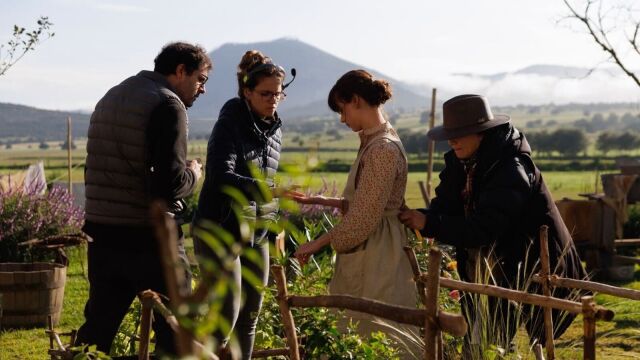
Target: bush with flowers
(27, 214)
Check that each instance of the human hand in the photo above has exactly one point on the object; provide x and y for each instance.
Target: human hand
(413, 219)
(305, 251)
(302, 198)
(286, 191)
(196, 166)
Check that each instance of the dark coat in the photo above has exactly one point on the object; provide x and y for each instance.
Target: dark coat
(510, 202)
(136, 152)
(239, 141)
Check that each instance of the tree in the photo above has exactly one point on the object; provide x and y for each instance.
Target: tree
(22, 42)
(624, 141)
(569, 141)
(606, 142)
(424, 117)
(615, 29)
(65, 146)
(565, 141)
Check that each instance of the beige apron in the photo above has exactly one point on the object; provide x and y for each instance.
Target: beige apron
(378, 269)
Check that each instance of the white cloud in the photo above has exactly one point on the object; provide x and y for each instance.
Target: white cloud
(532, 89)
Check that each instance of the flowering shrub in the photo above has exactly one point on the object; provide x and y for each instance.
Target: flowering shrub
(25, 215)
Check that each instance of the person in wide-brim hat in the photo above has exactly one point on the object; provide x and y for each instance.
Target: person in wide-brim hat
(490, 204)
(464, 115)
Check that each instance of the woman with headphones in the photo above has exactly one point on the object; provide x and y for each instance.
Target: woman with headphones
(242, 154)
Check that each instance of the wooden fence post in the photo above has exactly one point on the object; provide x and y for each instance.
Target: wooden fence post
(589, 321)
(285, 311)
(166, 235)
(146, 298)
(415, 268)
(431, 329)
(422, 292)
(432, 122)
(546, 291)
(69, 164)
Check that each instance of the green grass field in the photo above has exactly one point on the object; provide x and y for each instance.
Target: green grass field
(295, 165)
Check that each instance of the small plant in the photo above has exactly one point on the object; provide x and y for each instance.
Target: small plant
(28, 214)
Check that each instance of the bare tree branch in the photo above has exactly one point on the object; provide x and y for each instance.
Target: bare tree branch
(599, 34)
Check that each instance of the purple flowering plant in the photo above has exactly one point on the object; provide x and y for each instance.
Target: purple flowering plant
(27, 214)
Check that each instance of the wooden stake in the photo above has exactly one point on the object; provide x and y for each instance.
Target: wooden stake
(415, 268)
(432, 122)
(266, 353)
(69, 165)
(147, 299)
(453, 324)
(433, 289)
(557, 281)
(201, 351)
(523, 297)
(440, 346)
(546, 291)
(50, 325)
(589, 321)
(285, 311)
(166, 235)
(626, 242)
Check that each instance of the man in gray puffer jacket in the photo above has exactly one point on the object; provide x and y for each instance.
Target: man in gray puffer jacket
(136, 153)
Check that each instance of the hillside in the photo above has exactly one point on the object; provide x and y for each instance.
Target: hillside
(22, 122)
(317, 71)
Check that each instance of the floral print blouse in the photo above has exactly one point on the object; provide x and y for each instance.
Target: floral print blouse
(380, 185)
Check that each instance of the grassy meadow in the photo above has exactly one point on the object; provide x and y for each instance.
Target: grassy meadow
(295, 169)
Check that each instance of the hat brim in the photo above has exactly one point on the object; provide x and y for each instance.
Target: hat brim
(440, 133)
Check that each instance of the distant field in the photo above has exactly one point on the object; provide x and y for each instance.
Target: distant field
(561, 183)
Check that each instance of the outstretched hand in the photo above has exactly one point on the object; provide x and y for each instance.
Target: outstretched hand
(304, 252)
(302, 198)
(413, 219)
(289, 192)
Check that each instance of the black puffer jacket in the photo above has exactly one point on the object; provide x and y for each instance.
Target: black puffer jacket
(510, 202)
(238, 142)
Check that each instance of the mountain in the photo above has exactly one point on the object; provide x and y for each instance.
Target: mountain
(317, 71)
(19, 121)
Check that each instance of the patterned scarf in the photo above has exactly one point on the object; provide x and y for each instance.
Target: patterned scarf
(467, 196)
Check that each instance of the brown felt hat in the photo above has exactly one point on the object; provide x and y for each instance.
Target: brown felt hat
(464, 115)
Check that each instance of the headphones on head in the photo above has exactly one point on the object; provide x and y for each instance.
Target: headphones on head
(262, 67)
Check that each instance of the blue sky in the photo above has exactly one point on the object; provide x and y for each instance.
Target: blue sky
(99, 43)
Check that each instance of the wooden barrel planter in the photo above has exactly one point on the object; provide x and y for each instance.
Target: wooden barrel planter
(30, 293)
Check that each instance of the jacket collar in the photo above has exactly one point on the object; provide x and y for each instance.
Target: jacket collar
(157, 77)
(259, 128)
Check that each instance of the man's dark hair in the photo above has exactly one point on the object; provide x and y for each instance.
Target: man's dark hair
(173, 54)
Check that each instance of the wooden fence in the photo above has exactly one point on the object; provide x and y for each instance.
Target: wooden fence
(431, 318)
